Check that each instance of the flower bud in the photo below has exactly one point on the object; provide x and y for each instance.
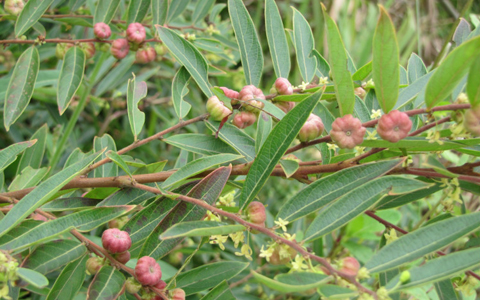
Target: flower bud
(102, 31)
(145, 55)
(256, 213)
(61, 49)
(160, 49)
(94, 264)
(312, 129)
(285, 106)
(89, 49)
(248, 94)
(178, 294)
(123, 257)
(217, 110)
(472, 120)
(161, 285)
(136, 33)
(116, 241)
(405, 277)
(244, 119)
(148, 271)
(120, 48)
(283, 86)
(230, 93)
(14, 7)
(347, 132)
(350, 266)
(132, 286)
(394, 126)
(360, 92)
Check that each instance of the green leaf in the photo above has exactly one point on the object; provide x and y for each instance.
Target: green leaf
(420, 144)
(114, 77)
(322, 65)
(136, 91)
(449, 74)
(294, 282)
(176, 8)
(70, 78)
(264, 127)
(106, 285)
(9, 154)
(85, 220)
(220, 292)
(105, 11)
(200, 228)
(137, 9)
(200, 143)
(416, 68)
(30, 14)
(43, 193)
(445, 290)
(275, 147)
(159, 11)
(70, 280)
(108, 143)
(118, 160)
(342, 79)
(439, 268)
(71, 203)
(207, 276)
(34, 155)
(408, 94)
(357, 201)
(473, 84)
(277, 41)
(22, 82)
(235, 138)
(179, 90)
(197, 166)
(32, 277)
(461, 32)
(209, 189)
(250, 49)
(289, 166)
(385, 63)
(188, 56)
(201, 10)
(422, 242)
(28, 178)
(327, 189)
(400, 200)
(363, 72)
(304, 45)
(53, 255)
(336, 292)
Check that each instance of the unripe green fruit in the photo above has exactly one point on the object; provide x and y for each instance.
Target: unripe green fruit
(132, 286)
(405, 277)
(217, 110)
(14, 7)
(94, 264)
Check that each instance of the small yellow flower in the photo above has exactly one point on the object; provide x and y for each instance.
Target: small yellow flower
(288, 236)
(303, 86)
(376, 114)
(323, 80)
(219, 239)
(266, 253)
(333, 147)
(434, 136)
(212, 217)
(363, 273)
(392, 236)
(245, 251)
(299, 263)
(284, 251)
(371, 135)
(382, 294)
(359, 150)
(237, 238)
(282, 223)
(227, 200)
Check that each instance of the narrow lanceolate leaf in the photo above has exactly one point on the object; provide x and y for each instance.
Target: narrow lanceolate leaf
(201, 10)
(209, 189)
(235, 138)
(33, 156)
(250, 49)
(264, 127)
(197, 166)
(304, 46)
(28, 178)
(30, 14)
(416, 68)
(294, 282)
(385, 63)
(275, 146)
(85, 220)
(422, 242)
(70, 280)
(137, 10)
(342, 79)
(200, 228)
(439, 268)
(70, 78)
(200, 143)
(32, 277)
(221, 291)
(357, 201)
(449, 74)
(42, 193)
(187, 55)
(52, 255)
(20, 88)
(176, 8)
(118, 160)
(179, 90)
(159, 11)
(208, 276)
(100, 143)
(136, 91)
(9, 154)
(105, 11)
(107, 284)
(277, 40)
(445, 290)
(473, 84)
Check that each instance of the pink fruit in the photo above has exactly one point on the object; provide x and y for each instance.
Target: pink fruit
(161, 285)
(94, 264)
(312, 129)
(248, 94)
(394, 126)
(136, 33)
(244, 119)
(283, 86)
(285, 106)
(123, 257)
(89, 49)
(347, 132)
(217, 110)
(148, 271)
(116, 241)
(350, 266)
(120, 48)
(102, 31)
(472, 120)
(178, 294)
(230, 93)
(14, 7)
(256, 213)
(145, 55)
